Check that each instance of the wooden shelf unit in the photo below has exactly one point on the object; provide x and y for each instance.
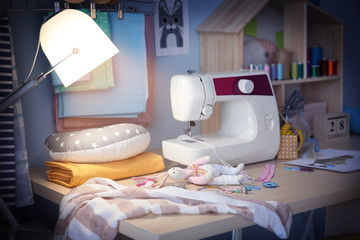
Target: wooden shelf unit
(305, 25)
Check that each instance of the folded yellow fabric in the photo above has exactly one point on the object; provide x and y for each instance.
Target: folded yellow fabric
(75, 174)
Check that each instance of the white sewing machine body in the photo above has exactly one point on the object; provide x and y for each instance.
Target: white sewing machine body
(249, 117)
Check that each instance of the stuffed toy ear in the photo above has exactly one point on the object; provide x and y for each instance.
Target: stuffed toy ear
(144, 181)
(147, 181)
(163, 181)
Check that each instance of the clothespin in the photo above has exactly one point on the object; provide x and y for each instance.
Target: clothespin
(56, 6)
(120, 11)
(93, 10)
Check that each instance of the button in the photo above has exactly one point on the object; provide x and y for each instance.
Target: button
(269, 122)
(207, 110)
(248, 188)
(270, 185)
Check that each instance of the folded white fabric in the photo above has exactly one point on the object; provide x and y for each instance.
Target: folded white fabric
(92, 210)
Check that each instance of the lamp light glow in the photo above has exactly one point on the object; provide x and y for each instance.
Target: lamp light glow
(74, 45)
(72, 31)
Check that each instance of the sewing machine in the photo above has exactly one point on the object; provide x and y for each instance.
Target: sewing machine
(249, 117)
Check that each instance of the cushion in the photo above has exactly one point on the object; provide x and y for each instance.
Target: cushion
(95, 145)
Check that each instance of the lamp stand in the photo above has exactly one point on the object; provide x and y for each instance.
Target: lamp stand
(20, 92)
(26, 86)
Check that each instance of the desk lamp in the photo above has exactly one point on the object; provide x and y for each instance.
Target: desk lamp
(74, 45)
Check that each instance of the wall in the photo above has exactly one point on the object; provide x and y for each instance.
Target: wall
(164, 126)
(348, 12)
(37, 104)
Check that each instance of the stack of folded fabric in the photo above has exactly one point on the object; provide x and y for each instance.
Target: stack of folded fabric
(114, 152)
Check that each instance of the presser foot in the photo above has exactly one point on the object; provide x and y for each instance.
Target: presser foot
(187, 130)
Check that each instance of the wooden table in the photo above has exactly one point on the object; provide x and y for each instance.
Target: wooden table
(302, 191)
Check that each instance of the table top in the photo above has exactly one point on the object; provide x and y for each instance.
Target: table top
(302, 191)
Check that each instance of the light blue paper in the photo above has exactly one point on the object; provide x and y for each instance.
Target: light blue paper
(130, 93)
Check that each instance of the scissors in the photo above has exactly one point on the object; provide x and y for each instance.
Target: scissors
(294, 101)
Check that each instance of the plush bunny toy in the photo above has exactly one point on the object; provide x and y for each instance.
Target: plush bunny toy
(201, 172)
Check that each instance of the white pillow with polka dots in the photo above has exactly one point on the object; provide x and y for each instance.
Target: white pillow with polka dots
(96, 145)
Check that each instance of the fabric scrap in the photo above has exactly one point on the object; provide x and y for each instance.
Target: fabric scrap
(93, 210)
(74, 174)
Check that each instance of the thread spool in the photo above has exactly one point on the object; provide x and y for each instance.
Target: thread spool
(300, 70)
(308, 69)
(332, 67)
(324, 67)
(279, 71)
(285, 58)
(315, 70)
(294, 70)
(273, 71)
(267, 68)
(315, 55)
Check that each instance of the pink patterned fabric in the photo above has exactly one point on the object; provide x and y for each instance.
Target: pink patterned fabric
(92, 210)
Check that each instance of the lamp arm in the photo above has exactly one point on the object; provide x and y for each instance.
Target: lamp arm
(20, 92)
(26, 86)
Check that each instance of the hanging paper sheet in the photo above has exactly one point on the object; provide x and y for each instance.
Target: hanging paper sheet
(101, 77)
(130, 93)
(73, 124)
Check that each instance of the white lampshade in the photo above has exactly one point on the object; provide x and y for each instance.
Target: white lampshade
(72, 30)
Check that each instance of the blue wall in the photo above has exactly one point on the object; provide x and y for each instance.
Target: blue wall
(164, 125)
(348, 12)
(37, 104)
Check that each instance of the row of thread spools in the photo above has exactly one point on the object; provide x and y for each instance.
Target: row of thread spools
(284, 68)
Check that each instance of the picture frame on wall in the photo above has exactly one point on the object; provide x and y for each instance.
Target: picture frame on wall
(171, 26)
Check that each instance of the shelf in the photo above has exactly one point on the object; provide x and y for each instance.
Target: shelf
(305, 25)
(305, 80)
